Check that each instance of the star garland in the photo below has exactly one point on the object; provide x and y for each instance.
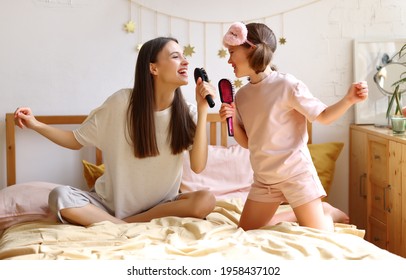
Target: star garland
(237, 83)
(138, 47)
(188, 50)
(222, 53)
(282, 40)
(129, 26)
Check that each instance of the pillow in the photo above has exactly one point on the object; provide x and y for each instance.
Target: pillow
(221, 175)
(324, 157)
(91, 172)
(25, 202)
(228, 173)
(228, 170)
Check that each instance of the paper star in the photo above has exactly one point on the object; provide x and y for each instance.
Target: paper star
(237, 83)
(139, 47)
(222, 53)
(129, 26)
(282, 40)
(188, 50)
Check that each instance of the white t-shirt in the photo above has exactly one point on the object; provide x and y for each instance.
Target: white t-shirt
(273, 113)
(131, 185)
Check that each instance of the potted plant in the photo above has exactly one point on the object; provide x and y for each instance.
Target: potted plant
(398, 120)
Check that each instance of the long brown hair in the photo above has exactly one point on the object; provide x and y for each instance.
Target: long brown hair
(265, 41)
(141, 121)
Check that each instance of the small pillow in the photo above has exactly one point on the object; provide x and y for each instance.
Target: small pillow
(91, 172)
(25, 202)
(228, 173)
(228, 170)
(324, 157)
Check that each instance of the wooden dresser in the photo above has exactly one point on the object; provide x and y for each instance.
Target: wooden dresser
(377, 189)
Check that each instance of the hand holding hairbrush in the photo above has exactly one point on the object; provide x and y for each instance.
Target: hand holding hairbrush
(226, 90)
(200, 72)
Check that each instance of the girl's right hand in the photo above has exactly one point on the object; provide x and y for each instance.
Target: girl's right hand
(23, 117)
(226, 111)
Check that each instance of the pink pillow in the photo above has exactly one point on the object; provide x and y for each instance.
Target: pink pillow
(228, 173)
(25, 202)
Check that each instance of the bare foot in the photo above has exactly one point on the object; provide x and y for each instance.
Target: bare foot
(336, 214)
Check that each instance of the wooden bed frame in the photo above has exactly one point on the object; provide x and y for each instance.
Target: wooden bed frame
(213, 119)
(215, 126)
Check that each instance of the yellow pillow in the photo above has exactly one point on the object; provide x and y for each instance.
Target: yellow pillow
(324, 157)
(91, 172)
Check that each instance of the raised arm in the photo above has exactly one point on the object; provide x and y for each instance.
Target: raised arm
(356, 93)
(24, 118)
(198, 154)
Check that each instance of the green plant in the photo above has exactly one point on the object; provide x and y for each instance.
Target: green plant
(396, 97)
(397, 93)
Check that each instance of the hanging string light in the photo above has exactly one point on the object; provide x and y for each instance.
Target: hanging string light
(189, 49)
(129, 26)
(139, 18)
(282, 39)
(222, 52)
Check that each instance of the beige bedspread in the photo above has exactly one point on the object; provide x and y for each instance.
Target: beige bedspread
(176, 238)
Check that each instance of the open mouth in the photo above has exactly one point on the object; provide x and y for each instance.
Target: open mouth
(183, 72)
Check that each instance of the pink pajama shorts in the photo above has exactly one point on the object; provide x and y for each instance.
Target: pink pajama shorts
(297, 190)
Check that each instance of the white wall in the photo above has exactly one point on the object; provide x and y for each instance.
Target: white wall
(67, 56)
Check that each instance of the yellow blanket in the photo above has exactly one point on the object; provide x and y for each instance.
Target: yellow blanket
(176, 238)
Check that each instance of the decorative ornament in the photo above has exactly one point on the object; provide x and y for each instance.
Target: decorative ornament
(222, 53)
(129, 26)
(188, 50)
(282, 40)
(139, 46)
(237, 83)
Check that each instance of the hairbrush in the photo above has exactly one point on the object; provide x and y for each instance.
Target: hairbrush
(200, 72)
(226, 90)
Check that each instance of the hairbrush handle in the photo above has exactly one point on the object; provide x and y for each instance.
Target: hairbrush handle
(200, 72)
(226, 90)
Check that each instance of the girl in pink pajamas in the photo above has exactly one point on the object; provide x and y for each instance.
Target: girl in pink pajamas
(269, 118)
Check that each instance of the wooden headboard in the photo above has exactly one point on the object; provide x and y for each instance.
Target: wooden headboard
(216, 127)
(217, 136)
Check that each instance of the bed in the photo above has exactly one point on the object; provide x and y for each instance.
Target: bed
(29, 231)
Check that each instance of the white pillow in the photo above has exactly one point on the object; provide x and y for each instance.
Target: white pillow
(228, 173)
(25, 202)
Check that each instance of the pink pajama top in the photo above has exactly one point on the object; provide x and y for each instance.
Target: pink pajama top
(273, 113)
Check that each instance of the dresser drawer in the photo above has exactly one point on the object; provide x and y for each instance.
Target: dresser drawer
(378, 233)
(378, 158)
(378, 202)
